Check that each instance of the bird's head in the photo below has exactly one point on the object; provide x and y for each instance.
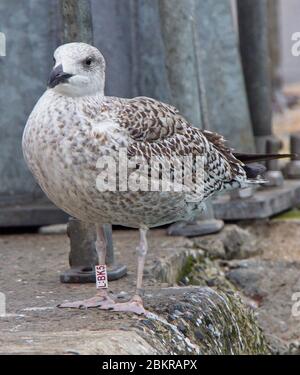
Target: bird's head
(79, 70)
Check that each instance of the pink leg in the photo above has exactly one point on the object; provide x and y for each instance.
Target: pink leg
(135, 305)
(101, 300)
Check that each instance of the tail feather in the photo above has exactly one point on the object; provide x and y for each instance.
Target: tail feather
(252, 168)
(251, 158)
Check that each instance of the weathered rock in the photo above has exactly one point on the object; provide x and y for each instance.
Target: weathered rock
(189, 266)
(271, 284)
(206, 321)
(189, 320)
(174, 265)
(268, 286)
(195, 228)
(239, 243)
(206, 272)
(232, 243)
(212, 246)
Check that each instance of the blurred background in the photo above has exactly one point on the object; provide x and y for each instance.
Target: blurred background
(230, 66)
(186, 53)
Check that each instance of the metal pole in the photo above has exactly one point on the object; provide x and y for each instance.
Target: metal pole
(275, 53)
(254, 48)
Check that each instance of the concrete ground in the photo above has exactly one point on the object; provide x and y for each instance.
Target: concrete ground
(31, 265)
(30, 268)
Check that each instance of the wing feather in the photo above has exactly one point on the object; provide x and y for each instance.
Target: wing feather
(158, 129)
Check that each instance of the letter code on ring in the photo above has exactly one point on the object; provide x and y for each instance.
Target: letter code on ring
(101, 277)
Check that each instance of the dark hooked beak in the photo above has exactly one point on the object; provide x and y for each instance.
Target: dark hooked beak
(58, 76)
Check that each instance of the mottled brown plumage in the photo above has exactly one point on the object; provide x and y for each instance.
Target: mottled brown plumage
(74, 127)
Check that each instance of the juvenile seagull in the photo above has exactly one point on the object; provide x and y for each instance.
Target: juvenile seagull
(74, 125)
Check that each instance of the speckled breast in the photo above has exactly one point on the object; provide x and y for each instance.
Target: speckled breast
(63, 154)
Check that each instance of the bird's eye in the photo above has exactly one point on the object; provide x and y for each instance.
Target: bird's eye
(88, 61)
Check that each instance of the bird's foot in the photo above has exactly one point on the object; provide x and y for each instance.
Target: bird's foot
(135, 305)
(101, 300)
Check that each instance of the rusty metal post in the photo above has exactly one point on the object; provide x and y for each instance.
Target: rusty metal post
(75, 19)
